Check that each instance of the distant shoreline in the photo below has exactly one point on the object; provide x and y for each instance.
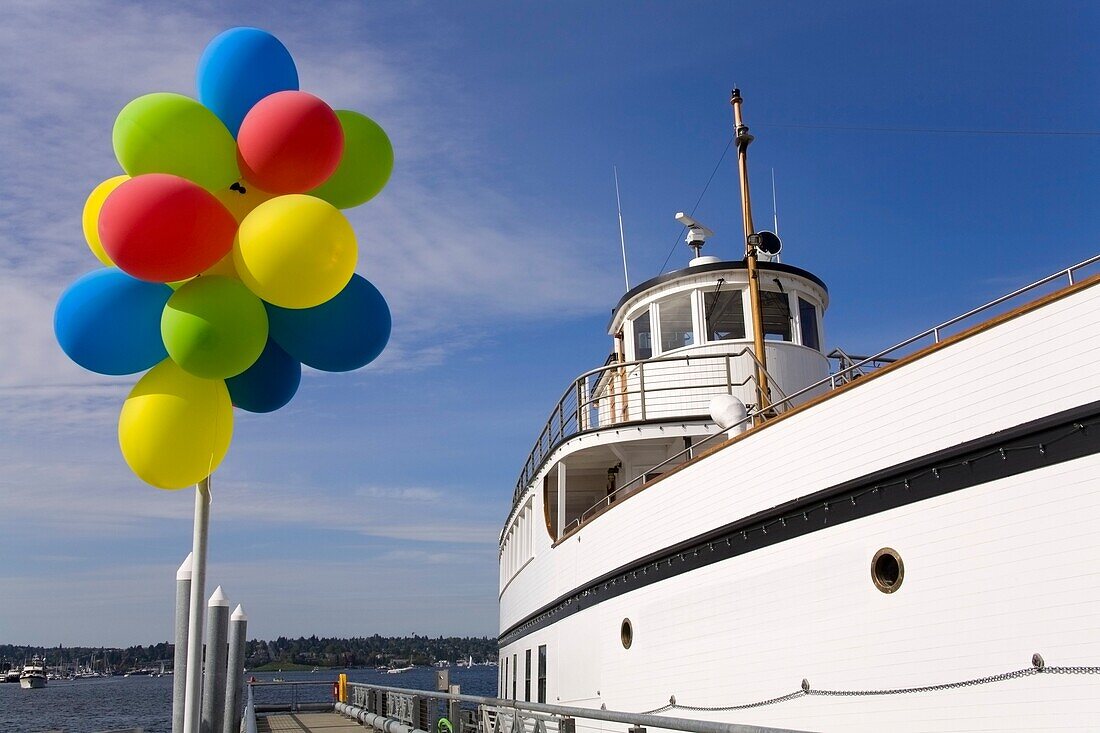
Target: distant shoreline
(281, 654)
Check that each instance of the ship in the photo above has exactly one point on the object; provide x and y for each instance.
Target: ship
(725, 522)
(33, 675)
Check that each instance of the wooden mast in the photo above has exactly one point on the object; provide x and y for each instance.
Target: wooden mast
(743, 138)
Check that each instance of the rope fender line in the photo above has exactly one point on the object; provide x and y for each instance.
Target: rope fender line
(1038, 666)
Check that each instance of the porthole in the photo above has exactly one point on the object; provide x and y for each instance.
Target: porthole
(626, 633)
(887, 570)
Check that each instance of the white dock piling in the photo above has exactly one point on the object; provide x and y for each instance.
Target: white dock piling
(179, 664)
(191, 706)
(213, 687)
(234, 678)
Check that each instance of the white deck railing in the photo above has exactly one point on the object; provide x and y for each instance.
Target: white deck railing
(578, 410)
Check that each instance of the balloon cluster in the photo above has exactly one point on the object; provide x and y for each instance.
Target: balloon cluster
(228, 261)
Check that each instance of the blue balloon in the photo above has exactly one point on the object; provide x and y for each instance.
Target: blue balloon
(341, 334)
(109, 322)
(240, 67)
(268, 384)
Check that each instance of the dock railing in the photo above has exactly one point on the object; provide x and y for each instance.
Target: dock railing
(851, 368)
(401, 710)
(292, 697)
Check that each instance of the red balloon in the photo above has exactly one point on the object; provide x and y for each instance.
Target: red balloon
(163, 228)
(289, 142)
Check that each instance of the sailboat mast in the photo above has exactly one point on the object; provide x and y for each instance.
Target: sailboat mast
(743, 138)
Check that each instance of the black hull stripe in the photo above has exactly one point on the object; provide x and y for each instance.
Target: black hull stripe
(1037, 444)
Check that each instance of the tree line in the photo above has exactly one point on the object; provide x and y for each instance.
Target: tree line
(364, 651)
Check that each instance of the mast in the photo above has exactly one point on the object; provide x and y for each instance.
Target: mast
(743, 138)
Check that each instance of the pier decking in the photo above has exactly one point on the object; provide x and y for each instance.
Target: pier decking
(299, 722)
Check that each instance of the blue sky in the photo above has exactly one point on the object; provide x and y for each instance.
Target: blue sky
(372, 503)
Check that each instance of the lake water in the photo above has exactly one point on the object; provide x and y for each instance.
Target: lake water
(84, 706)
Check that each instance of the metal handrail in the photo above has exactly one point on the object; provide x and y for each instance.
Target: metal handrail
(612, 716)
(847, 361)
(565, 422)
(559, 406)
(844, 374)
(935, 330)
(295, 703)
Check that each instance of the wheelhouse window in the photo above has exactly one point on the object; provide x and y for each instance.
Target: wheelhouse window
(643, 337)
(776, 308)
(725, 315)
(676, 327)
(807, 318)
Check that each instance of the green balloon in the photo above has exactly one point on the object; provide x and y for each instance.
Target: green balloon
(214, 327)
(171, 133)
(365, 165)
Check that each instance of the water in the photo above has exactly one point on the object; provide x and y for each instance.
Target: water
(83, 706)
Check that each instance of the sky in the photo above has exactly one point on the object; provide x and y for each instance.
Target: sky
(372, 503)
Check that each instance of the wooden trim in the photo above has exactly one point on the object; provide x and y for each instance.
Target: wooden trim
(915, 356)
(546, 509)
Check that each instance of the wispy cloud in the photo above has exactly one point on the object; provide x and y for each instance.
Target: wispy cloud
(118, 504)
(340, 596)
(456, 254)
(450, 252)
(414, 494)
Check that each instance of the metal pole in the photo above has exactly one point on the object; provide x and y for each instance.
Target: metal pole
(743, 138)
(234, 679)
(194, 627)
(213, 684)
(454, 707)
(179, 664)
(622, 233)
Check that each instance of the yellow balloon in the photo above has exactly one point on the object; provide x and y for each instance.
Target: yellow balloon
(241, 198)
(91, 216)
(175, 428)
(295, 251)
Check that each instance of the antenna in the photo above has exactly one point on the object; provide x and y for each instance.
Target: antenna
(775, 212)
(622, 234)
(775, 209)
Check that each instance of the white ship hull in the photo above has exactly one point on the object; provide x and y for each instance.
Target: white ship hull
(32, 682)
(749, 570)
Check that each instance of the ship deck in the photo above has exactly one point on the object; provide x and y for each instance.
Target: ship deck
(302, 722)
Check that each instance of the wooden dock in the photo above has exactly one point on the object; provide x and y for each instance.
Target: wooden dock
(307, 722)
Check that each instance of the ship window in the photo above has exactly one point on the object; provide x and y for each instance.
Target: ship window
(887, 570)
(504, 687)
(807, 317)
(725, 315)
(776, 315)
(626, 633)
(676, 328)
(515, 673)
(542, 673)
(527, 677)
(643, 337)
